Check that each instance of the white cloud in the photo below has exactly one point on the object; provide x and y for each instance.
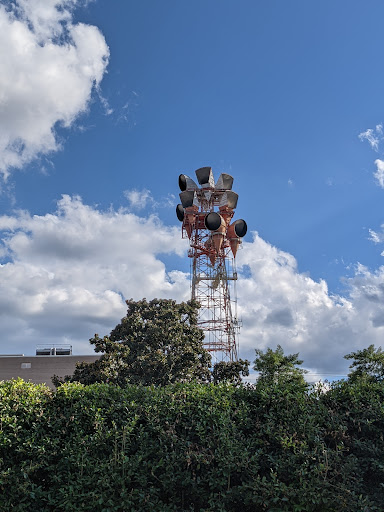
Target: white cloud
(64, 274)
(49, 67)
(143, 199)
(376, 237)
(139, 199)
(373, 136)
(379, 174)
(279, 305)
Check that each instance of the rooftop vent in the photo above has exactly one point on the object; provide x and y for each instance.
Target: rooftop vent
(54, 350)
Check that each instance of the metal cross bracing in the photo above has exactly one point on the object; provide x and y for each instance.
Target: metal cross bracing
(213, 246)
(217, 315)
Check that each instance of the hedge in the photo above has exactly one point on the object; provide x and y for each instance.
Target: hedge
(191, 447)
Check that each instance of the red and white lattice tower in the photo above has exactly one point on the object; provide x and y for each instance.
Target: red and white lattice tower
(206, 212)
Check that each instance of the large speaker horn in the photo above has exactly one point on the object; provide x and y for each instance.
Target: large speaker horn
(216, 223)
(212, 221)
(235, 231)
(180, 212)
(205, 177)
(224, 182)
(229, 200)
(186, 183)
(188, 198)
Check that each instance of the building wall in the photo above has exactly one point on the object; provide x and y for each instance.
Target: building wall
(40, 369)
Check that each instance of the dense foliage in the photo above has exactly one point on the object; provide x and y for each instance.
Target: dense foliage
(143, 429)
(192, 447)
(367, 364)
(275, 367)
(230, 371)
(157, 342)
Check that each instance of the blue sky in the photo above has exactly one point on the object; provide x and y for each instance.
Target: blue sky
(104, 102)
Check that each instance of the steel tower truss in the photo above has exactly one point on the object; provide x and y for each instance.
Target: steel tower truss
(206, 214)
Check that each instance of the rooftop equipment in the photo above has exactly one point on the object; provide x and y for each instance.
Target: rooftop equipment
(54, 350)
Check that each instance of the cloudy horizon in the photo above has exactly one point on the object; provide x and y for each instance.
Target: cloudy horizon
(67, 274)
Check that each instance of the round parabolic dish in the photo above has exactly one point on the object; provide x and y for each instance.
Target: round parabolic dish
(240, 228)
(212, 221)
(180, 212)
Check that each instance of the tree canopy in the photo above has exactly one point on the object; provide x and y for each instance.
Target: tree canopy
(157, 342)
(276, 368)
(230, 371)
(367, 364)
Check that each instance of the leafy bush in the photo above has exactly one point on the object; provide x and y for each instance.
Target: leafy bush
(191, 447)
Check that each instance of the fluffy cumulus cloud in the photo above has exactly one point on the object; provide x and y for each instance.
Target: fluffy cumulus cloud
(64, 275)
(379, 173)
(279, 305)
(49, 67)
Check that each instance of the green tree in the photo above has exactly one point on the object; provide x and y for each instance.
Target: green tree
(368, 364)
(230, 371)
(275, 367)
(157, 342)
